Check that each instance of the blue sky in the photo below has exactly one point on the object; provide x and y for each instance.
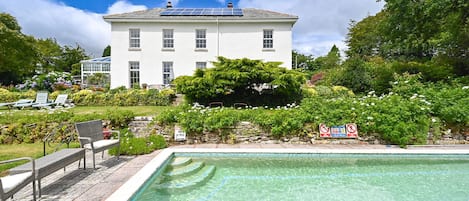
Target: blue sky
(321, 23)
(101, 6)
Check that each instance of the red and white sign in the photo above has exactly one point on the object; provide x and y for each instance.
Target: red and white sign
(324, 131)
(352, 131)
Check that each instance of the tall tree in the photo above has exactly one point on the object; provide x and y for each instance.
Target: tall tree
(107, 51)
(364, 38)
(17, 52)
(70, 56)
(331, 60)
(49, 54)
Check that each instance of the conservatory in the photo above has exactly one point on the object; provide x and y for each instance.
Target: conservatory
(96, 71)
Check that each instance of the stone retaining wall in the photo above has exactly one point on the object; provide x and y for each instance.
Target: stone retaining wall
(246, 132)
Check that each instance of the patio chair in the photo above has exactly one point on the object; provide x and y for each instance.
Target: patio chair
(90, 134)
(59, 101)
(11, 184)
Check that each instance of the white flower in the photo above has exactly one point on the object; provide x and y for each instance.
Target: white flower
(406, 81)
(371, 92)
(353, 108)
(373, 104)
(369, 118)
(433, 120)
(396, 82)
(465, 87)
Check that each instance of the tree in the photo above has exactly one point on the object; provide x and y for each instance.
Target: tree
(242, 80)
(355, 76)
(331, 60)
(17, 52)
(107, 51)
(302, 61)
(364, 38)
(49, 53)
(70, 56)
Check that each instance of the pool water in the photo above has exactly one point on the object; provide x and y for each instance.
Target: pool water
(310, 177)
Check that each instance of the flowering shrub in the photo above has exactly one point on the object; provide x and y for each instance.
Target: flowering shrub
(50, 82)
(403, 116)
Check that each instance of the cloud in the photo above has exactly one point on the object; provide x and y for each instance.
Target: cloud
(123, 7)
(68, 25)
(321, 23)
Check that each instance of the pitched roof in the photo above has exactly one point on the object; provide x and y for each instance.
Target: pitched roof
(249, 14)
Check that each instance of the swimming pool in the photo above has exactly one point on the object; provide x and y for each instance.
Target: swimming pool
(308, 176)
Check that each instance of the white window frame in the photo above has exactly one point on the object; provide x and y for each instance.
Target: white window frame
(168, 72)
(168, 38)
(134, 73)
(268, 39)
(200, 65)
(134, 38)
(200, 38)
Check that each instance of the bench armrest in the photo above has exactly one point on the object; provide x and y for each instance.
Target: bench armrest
(118, 133)
(20, 159)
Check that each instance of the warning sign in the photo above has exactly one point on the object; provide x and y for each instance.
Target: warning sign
(352, 131)
(341, 131)
(324, 131)
(179, 134)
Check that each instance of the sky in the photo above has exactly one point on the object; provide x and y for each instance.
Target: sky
(321, 23)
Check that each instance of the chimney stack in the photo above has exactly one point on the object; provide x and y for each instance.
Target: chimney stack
(169, 5)
(230, 5)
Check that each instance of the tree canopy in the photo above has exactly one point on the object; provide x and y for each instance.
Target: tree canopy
(422, 30)
(17, 51)
(242, 80)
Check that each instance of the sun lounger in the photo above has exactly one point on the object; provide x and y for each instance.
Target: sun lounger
(22, 103)
(59, 101)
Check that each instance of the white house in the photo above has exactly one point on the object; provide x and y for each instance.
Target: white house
(154, 46)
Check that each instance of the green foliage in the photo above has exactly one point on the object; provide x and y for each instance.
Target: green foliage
(17, 52)
(419, 31)
(355, 76)
(119, 118)
(107, 51)
(124, 97)
(131, 145)
(242, 80)
(330, 61)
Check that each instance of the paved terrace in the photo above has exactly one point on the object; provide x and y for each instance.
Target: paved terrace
(94, 185)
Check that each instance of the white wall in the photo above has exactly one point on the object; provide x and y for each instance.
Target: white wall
(231, 40)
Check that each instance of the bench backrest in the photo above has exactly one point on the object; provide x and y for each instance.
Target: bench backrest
(92, 129)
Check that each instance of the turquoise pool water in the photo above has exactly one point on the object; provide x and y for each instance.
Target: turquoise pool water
(282, 177)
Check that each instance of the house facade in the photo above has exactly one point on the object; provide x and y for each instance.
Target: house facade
(157, 45)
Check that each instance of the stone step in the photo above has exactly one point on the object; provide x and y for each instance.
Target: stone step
(180, 161)
(186, 184)
(183, 171)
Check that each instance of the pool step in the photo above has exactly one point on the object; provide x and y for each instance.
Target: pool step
(185, 184)
(180, 161)
(183, 171)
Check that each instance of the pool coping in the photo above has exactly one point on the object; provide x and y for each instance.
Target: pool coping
(128, 189)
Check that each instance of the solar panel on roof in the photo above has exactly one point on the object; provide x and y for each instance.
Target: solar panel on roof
(202, 12)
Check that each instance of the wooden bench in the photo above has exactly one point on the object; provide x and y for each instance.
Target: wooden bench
(48, 164)
(90, 134)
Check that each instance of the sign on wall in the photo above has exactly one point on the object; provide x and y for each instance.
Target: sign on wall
(341, 131)
(179, 134)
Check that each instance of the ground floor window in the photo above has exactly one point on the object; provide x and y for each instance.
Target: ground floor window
(168, 74)
(134, 73)
(200, 65)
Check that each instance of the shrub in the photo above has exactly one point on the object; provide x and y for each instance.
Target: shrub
(131, 145)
